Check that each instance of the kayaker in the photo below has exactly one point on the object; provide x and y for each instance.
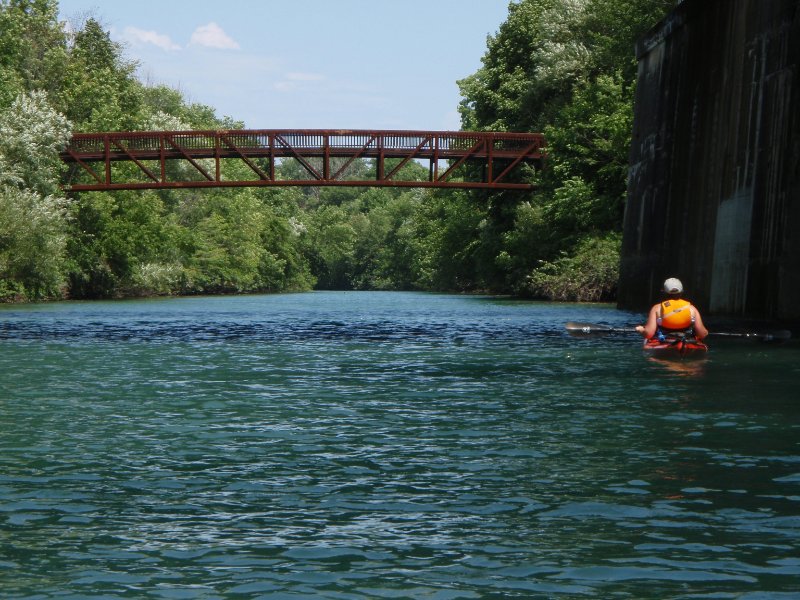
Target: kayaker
(673, 317)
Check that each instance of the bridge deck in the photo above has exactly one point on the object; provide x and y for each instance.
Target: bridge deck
(325, 156)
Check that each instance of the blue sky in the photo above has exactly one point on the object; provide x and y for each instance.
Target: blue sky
(316, 64)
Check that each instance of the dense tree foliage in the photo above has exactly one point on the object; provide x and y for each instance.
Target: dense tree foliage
(567, 68)
(564, 67)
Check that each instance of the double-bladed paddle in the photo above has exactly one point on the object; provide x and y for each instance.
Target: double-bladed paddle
(574, 328)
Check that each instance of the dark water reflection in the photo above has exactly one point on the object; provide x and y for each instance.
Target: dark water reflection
(360, 445)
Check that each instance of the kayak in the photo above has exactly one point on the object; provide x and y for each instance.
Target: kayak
(676, 348)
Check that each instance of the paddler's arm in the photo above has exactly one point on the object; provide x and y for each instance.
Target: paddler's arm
(648, 330)
(700, 330)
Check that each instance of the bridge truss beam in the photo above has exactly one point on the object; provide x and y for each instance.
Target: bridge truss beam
(472, 160)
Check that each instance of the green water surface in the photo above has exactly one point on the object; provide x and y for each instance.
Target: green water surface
(387, 445)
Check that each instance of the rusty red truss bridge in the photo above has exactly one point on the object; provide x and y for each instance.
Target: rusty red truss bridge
(197, 159)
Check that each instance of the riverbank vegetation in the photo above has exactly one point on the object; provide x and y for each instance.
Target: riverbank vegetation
(563, 67)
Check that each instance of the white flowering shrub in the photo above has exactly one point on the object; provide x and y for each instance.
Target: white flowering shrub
(155, 279)
(7, 174)
(162, 121)
(33, 216)
(297, 227)
(32, 133)
(564, 54)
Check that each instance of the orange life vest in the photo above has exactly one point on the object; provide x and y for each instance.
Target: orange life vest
(676, 315)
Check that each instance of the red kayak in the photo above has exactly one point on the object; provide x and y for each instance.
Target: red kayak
(675, 348)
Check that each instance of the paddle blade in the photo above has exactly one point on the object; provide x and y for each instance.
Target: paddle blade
(575, 328)
(777, 336)
(781, 335)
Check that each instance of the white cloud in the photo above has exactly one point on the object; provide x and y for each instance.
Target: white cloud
(138, 37)
(212, 36)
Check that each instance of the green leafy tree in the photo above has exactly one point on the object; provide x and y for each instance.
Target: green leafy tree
(32, 244)
(589, 141)
(237, 243)
(565, 67)
(100, 91)
(284, 267)
(448, 230)
(331, 245)
(383, 253)
(32, 48)
(166, 109)
(124, 244)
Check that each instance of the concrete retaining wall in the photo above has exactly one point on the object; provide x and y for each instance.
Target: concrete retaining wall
(714, 185)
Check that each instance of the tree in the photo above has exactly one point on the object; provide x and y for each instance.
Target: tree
(588, 169)
(166, 109)
(521, 79)
(383, 253)
(124, 244)
(32, 244)
(565, 67)
(447, 242)
(237, 243)
(100, 91)
(32, 48)
(331, 247)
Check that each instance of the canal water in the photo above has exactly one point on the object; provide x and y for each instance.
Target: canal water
(387, 445)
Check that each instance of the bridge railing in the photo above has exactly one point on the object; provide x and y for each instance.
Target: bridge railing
(498, 153)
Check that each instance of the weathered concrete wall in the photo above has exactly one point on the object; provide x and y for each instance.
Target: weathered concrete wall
(714, 188)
